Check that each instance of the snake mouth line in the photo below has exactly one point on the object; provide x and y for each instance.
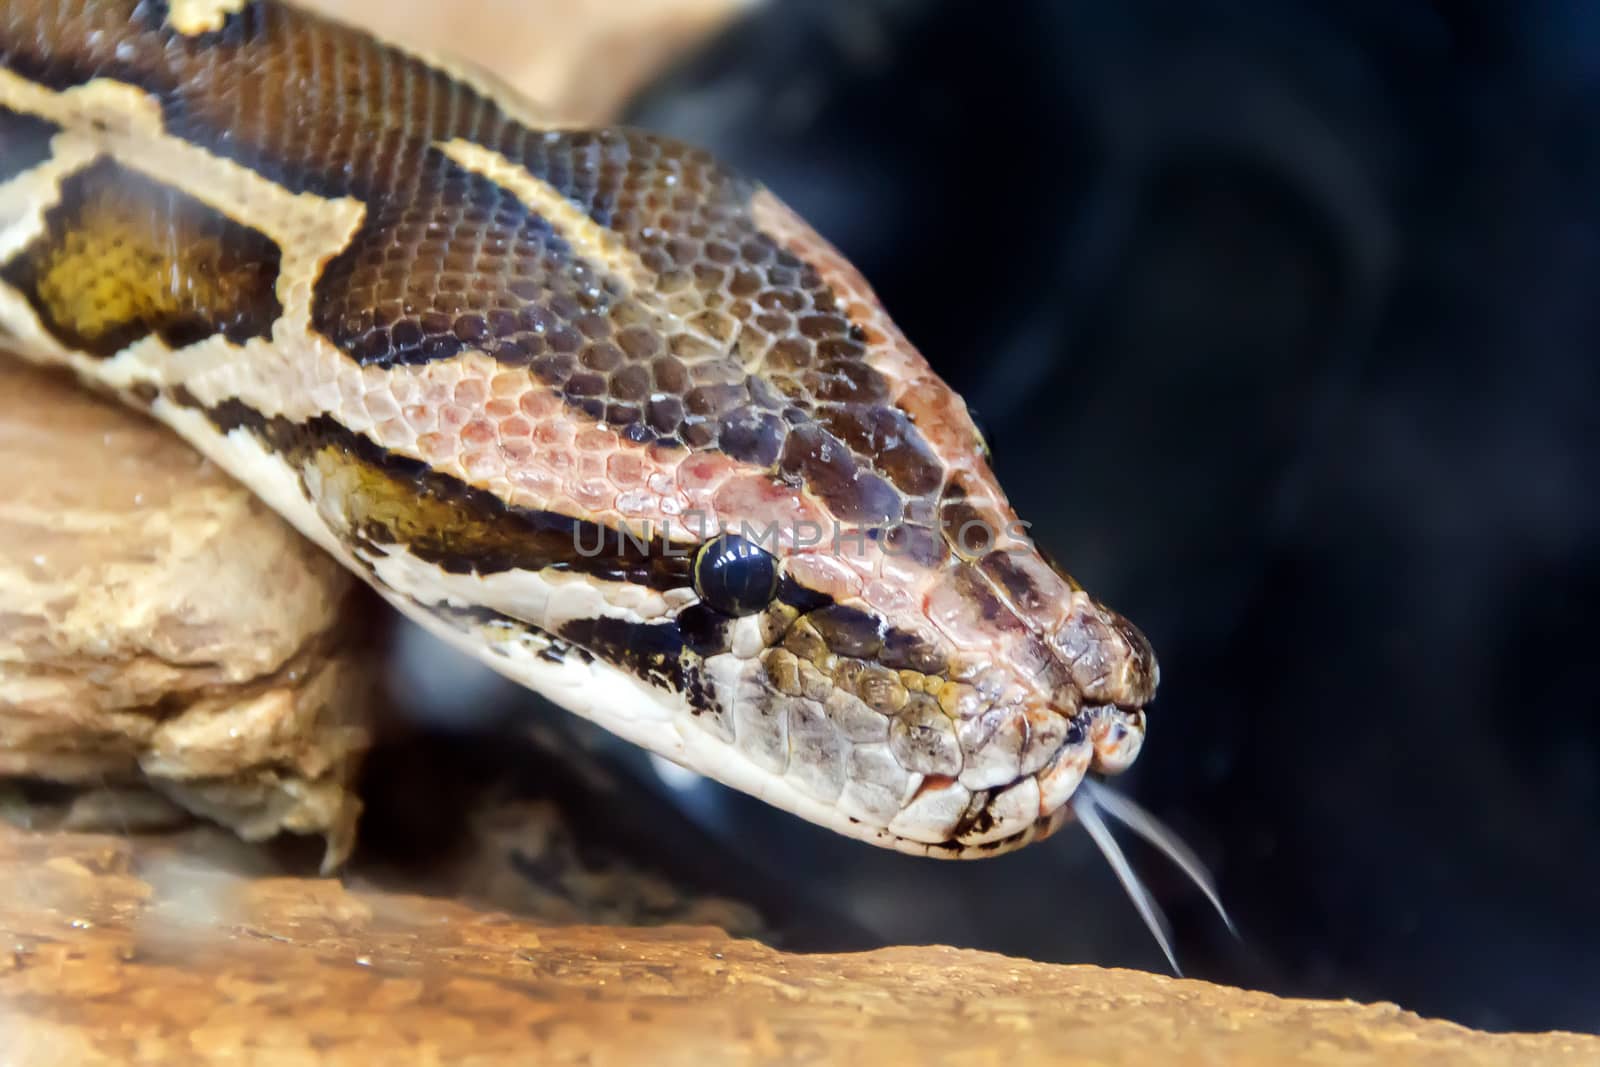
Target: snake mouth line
(1071, 787)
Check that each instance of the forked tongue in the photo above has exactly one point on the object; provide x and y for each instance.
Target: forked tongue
(1091, 799)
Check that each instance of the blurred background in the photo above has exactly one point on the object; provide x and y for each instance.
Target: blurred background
(1280, 316)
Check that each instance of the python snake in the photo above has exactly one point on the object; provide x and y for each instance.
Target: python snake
(582, 402)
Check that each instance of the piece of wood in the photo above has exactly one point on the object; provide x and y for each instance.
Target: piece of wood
(109, 955)
(160, 626)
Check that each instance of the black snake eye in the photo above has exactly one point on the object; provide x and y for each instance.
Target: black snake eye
(735, 576)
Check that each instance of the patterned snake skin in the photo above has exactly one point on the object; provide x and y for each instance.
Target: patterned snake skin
(526, 381)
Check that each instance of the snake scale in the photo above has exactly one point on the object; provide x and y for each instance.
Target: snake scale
(582, 402)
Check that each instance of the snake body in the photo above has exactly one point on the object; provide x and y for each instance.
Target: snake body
(583, 402)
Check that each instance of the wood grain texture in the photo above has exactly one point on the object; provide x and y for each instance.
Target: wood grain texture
(111, 956)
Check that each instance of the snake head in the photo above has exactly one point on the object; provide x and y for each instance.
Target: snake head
(652, 355)
(862, 631)
(925, 677)
(754, 531)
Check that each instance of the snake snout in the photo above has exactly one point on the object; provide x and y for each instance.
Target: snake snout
(1117, 735)
(1115, 672)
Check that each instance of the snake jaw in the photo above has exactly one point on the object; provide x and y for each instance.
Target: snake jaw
(1106, 672)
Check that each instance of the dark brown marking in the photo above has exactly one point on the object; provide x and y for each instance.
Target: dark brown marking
(24, 142)
(887, 435)
(446, 260)
(1019, 586)
(903, 650)
(848, 631)
(123, 256)
(980, 598)
(969, 532)
(829, 468)
(668, 654)
(802, 598)
(389, 499)
(470, 618)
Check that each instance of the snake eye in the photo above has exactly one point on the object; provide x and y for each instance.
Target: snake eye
(735, 576)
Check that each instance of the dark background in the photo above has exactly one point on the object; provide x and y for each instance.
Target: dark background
(1279, 315)
(1279, 318)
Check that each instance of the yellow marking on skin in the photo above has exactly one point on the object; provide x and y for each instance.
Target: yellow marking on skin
(194, 17)
(26, 197)
(366, 500)
(122, 257)
(289, 375)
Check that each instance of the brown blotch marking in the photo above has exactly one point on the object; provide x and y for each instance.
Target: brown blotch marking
(446, 260)
(863, 654)
(977, 818)
(969, 532)
(905, 651)
(123, 256)
(358, 106)
(829, 469)
(848, 631)
(387, 499)
(969, 583)
(463, 529)
(1018, 585)
(752, 436)
(24, 142)
(886, 434)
